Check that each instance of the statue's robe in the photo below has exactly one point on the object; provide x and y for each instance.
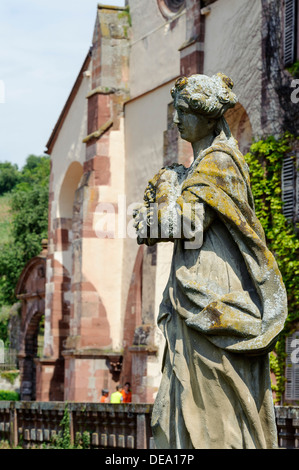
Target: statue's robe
(222, 310)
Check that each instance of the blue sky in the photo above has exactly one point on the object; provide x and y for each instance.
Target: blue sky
(43, 44)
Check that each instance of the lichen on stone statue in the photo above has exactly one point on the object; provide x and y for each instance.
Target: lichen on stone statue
(225, 302)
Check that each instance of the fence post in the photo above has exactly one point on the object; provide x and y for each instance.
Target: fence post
(13, 425)
(141, 432)
(71, 415)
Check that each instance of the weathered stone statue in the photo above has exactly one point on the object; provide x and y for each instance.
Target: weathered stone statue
(225, 302)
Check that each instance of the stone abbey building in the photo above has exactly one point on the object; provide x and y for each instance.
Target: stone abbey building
(98, 291)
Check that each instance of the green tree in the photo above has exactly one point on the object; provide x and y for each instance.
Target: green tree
(9, 177)
(4, 319)
(29, 206)
(30, 219)
(36, 171)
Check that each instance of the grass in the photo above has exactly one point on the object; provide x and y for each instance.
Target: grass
(5, 219)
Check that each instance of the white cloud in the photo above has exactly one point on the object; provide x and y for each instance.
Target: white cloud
(42, 47)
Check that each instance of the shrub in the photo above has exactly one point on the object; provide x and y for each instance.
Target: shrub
(6, 395)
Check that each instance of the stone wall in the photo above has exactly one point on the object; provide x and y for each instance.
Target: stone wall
(233, 46)
(82, 332)
(279, 113)
(9, 384)
(153, 42)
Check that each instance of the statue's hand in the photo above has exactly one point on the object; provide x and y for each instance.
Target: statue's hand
(165, 184)
(141, 215)
(153, 183)
(162, 189)
(149, 194)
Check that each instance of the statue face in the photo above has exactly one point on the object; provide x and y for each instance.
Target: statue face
(193, 127)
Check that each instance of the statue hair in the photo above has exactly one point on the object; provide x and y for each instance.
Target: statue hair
(209, 96)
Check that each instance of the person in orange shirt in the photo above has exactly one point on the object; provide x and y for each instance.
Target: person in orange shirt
(104, 397)
(126, 393)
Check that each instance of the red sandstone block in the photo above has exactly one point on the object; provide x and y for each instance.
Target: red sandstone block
(103, 145)
(56, 302)
(89, 234)
(83, 286)
(62, 223)
(98, 112)
(97, 322)
(61, 275)
(59, 246)
(90, 310)
(91, 297)
(100, 165)
(56, 263)
(80, 395)
(94, 341)
(86, 323)
(193, 63)
(100, 374)
(91, 151)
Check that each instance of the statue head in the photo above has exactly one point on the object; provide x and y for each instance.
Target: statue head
(210, 96)
(200, 102)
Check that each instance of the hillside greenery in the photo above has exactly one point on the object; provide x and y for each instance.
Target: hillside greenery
(24, 198)
(5, 218)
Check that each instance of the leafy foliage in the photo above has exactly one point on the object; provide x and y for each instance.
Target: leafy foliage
(29, 211)
(10, 375)
(30, 221)
(35, 173)
(5, 217)
(6, 395)
(265, 162)
(294, 69)
(63, 439)
(9, 177)
(4, 320)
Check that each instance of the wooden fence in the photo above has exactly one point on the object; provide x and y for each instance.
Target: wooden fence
(107, 426)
